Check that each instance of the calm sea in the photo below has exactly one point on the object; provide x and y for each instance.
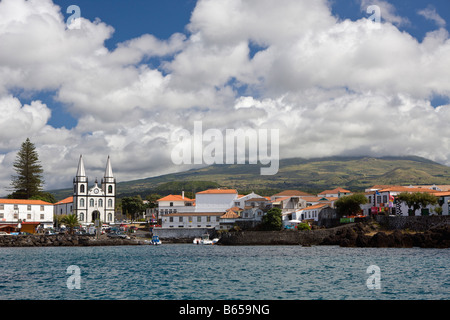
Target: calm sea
(187, 271)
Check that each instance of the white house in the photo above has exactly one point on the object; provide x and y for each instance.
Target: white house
(14, 211)
(336, 193)
(383, 201)
(174, 204)
(192, 220)
(310, 213)
(64, 206)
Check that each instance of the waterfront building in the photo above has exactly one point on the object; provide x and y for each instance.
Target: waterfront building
(174, 204)
(25, 215)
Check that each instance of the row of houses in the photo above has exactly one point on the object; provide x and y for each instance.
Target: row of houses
(223, 208)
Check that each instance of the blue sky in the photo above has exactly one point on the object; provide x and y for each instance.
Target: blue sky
(331, 86)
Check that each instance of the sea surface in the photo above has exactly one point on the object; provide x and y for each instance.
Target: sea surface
(195, 272)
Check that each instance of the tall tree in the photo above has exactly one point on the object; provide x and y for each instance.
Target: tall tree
(29, 179)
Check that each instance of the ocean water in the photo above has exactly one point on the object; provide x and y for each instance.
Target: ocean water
(193, 272)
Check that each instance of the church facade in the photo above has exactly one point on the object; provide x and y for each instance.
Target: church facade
(97, 202)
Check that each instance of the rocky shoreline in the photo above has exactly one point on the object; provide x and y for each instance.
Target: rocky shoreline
(352, 235)
(65, 240)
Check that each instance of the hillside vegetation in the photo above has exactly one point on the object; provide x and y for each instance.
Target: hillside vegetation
(309, 175)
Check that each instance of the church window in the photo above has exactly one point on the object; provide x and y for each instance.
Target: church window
(109, 217)
(82, 188)
(91, 202)
(100, 202)
(81, 215)
(81, 203)
(110, 189)
(110, 203)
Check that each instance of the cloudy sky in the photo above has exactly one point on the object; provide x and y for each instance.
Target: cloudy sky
(119, 83)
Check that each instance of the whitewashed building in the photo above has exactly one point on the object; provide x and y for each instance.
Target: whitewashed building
(14, 211)
(64, 207)
(174, 204)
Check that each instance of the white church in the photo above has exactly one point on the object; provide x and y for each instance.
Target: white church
(98, 202)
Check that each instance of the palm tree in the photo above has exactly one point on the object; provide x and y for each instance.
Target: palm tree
(71, 221)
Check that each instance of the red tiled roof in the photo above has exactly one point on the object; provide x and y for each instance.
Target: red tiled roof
(219, 191)
(172, 197)
(20, 201)
(66, 200)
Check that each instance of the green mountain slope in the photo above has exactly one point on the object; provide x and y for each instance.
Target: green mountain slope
(310, 175)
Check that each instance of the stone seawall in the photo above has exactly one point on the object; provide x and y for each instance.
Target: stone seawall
(62, 240)
(286, 237)
(414, 223)
(352, 235)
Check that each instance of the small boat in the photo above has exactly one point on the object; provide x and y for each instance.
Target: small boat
(155, 241)
(205, 240)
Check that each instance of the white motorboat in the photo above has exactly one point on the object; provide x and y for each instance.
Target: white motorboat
(205, 240)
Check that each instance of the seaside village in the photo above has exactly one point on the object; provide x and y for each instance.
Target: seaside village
(218, 209)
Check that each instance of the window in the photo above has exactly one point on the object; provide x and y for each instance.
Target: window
(110, 189)
(2, 207)
(81, 203)
(82, 188)
(378, 199)
(81, 216)
(217, 218)
(91, 202)
(110, 203)
(208, 219)
(171, 219)
(2, 215)
(42, 208)
(100, 202)
(190, 219)
(109, 217)
(16, 207)
(16, 216)
(42, 216)
(199, 219)
(180, 219)
(28, 216)
(384, 199)
(171, 204)
(29, 207)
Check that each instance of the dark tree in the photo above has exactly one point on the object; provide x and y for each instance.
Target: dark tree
(350, 205)
(29, 179)
(272, 220)
(132, 206)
